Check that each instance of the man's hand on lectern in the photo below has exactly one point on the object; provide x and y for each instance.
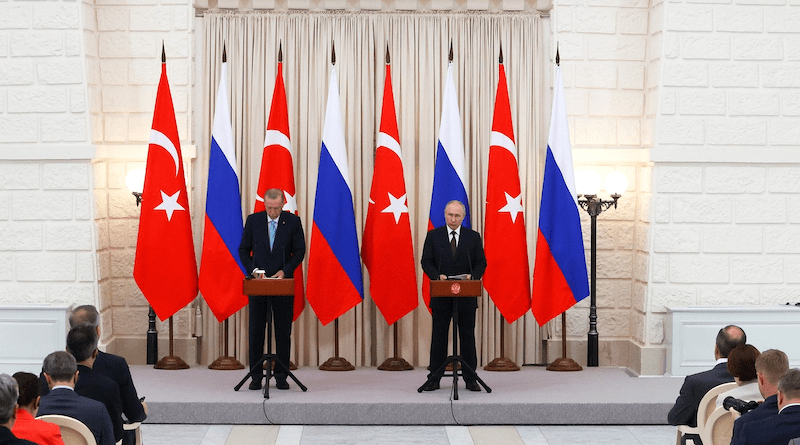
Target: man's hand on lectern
(278, 274)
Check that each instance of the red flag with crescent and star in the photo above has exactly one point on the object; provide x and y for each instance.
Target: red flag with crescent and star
(386, 247)
(277, 170)
(507, 272)
(165, 267)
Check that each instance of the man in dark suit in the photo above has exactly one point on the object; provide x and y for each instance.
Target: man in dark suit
(82, 344)
(9, 393)
(453, 250)
(61, 372)
(697, 385)
(771, 365)
(273, 245)
(114, 367)
(784, 426)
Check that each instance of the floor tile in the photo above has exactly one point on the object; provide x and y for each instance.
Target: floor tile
(654, 434)
(154, 434)
(588, 435)
(531, 435)
(216, 435)
(458, 435)
(492, 435)
(374, 435)
(289, 435)
(252, 435)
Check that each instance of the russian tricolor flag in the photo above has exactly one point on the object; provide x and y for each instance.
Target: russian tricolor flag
(559, 275)
(449, 177)
(335, 284)
(221, 272)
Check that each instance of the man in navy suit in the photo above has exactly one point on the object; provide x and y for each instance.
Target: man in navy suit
(784, 426)
(9, 393)
(273, 245)
(82, 344)
(61, 372)
(453, 250)
(697, 385)
(771, 365)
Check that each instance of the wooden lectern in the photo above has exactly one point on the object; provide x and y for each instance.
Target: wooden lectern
(268, 288)
(455, 288)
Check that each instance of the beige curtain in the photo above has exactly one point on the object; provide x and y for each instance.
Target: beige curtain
(418, 43)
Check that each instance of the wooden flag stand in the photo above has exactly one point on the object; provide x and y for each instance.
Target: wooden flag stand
(502, 363)
(226, 363)
(564, 363)
(336, 363)
(395, 363)
(171, 362)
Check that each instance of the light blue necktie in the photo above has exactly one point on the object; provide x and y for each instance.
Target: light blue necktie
(273, 225)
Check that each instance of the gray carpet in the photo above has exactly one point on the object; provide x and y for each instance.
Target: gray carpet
(366, 396)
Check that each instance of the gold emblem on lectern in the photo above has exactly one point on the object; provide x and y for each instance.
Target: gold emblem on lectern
(455, 289)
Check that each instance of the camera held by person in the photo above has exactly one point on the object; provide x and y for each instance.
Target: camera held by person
(738, 405)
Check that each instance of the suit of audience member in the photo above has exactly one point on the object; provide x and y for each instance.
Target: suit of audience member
(9, 394)
(697, 385)
(771, 365)
(82, 344)
(27, 426)
(780, 428)
(112, 366)
(742, 366)
(61, 372)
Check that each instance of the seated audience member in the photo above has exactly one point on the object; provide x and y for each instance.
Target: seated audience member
(112, 366)
(780, 428)
(697, 385)
(742, 366)
(771, 365)
(9, 394)
(27, 427)
(82, 344)
(61, 372)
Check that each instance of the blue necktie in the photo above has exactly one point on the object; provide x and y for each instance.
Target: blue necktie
(273, 225)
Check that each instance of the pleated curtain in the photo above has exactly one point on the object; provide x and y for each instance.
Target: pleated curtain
(418, 44)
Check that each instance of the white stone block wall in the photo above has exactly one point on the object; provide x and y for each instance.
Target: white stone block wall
(46, 228)
(725, 171)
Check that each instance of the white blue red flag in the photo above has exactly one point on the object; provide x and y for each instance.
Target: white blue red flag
(387, 248)
(449, 177)
(221, 271)
(277, 169)
(335, 284)
(507, 276)
(559, 275)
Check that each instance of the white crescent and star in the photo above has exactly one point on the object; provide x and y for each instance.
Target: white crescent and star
(169, 203)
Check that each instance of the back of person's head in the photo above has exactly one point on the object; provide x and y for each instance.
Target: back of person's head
(742, 362)
(60, 366)
(82, 342)
(772, 364)
(28, 387)
(728, 338)
(789, 384)
(8, 398)
(86, 314)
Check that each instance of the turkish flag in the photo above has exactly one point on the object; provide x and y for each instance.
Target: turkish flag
(165, 267)
(386, 245)
(277, 170)
(507, 272)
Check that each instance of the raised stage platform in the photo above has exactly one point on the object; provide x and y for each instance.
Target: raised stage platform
(366, 396)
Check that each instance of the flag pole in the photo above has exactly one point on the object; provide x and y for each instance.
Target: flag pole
(564, 363)
(225, 362)
(336, 363)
